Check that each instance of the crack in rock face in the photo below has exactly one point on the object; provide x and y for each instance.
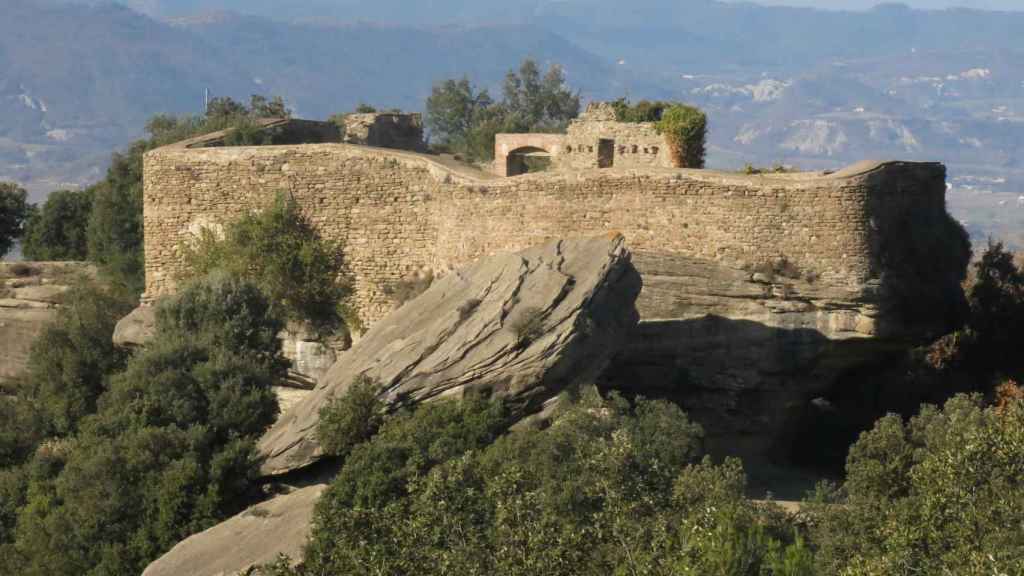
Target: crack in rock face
(461, 335)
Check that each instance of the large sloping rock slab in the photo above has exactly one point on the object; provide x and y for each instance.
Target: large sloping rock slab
(461, 334)
(254, 537)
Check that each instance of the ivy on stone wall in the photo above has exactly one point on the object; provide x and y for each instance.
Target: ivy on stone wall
(685, 127)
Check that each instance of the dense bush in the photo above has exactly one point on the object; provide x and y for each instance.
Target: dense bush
(169, 451)
(57, 231)
(68, 369)
(279, 251)
(14, 211)
(609, 488)
(987, 347)
(941, 494)
(350, 419)
(465, 120)
(996, 300)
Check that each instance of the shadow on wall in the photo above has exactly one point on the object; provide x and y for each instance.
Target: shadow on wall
(759, 390)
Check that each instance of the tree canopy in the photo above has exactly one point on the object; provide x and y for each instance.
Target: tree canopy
(280, 251)
(14, 211)
(465, 119)
(165, 447)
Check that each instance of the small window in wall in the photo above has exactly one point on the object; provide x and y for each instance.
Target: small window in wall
(635, 148)
(622, 150)
(605, 153)
(568, 148)
(654, 150)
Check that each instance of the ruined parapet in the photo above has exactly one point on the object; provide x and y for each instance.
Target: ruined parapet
(596, 139)
(385, 130)
(279, 131)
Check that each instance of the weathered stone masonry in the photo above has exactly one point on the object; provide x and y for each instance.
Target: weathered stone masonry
(398, 213)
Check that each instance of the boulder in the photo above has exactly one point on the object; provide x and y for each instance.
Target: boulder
(48, 293)
(137, 328)
(254, 537)
(522, 327)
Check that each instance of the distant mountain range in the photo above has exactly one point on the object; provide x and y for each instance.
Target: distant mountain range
(796, 86)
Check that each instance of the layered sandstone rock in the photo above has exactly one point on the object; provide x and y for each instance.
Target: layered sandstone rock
(521, 326)
(253, 538)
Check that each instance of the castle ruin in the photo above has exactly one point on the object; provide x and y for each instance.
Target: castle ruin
(748, 279)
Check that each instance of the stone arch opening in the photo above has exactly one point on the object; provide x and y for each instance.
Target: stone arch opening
(527, 159)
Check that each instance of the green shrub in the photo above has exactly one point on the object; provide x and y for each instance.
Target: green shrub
(279, 251)
(71, 360)
(14, 211)
(170, 450)
(226, 312)
(57, 231)
(610, 488)
(685, 129)
(248, 132)
(351, 419)
(942, 494)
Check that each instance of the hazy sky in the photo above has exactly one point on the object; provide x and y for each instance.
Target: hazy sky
(1015, 5)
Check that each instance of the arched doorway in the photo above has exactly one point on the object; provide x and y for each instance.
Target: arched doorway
(527, 159)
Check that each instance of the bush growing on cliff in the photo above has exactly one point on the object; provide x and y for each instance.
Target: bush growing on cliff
(609, 488)
(685, 127)
(280, 251)
(351, 419)
(170, 450)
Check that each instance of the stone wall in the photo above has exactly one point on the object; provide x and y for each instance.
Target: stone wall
(594, 140)
(400, 214)
(385, 130)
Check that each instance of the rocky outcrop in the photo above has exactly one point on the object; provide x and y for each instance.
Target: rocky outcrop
(746, 351)
(254, 537)
(521, 326)
(137, 328)
(30, 295)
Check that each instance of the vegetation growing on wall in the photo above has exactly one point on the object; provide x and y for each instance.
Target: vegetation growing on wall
(685, 127)
(464, 120)
(279, 250)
